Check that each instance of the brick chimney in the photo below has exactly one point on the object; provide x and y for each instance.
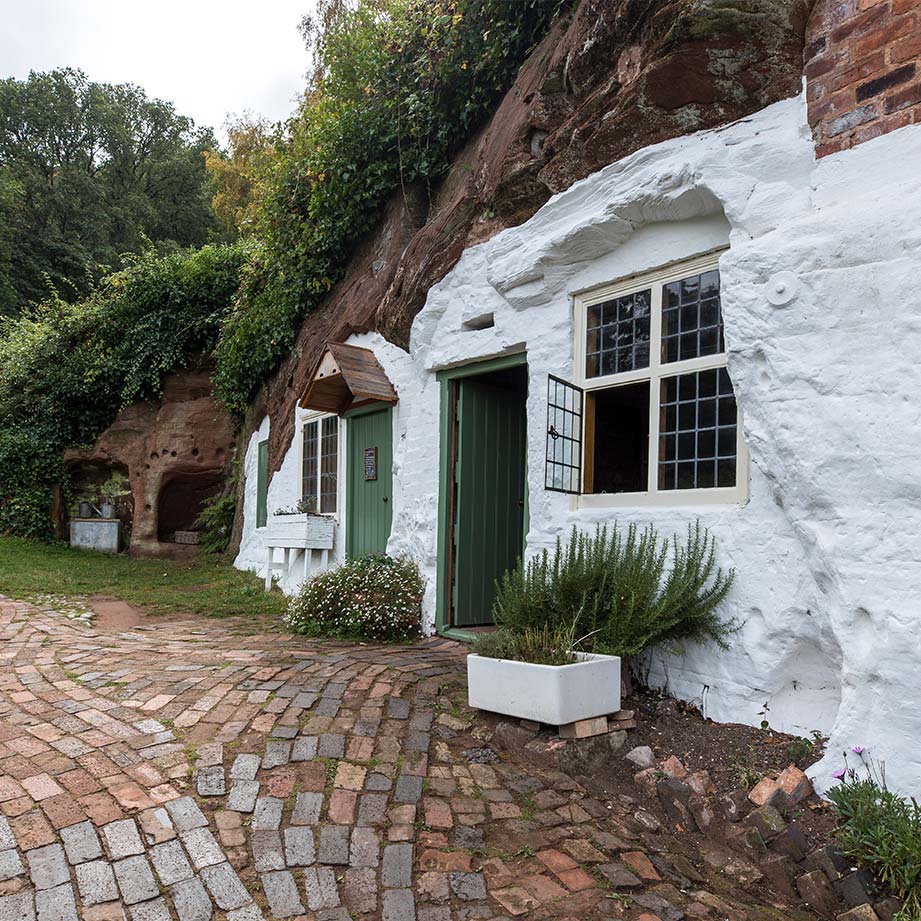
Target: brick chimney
(863, 70)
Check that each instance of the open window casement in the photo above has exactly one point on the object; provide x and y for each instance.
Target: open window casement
(653, 418)
(563, 471)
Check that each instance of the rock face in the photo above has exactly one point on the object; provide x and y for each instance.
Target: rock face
(176, 453)
(618, 76)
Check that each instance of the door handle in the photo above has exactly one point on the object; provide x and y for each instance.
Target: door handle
(385, 498)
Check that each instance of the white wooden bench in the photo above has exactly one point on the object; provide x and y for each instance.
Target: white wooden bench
(297, 536)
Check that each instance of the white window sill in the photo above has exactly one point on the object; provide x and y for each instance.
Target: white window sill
(676, 498)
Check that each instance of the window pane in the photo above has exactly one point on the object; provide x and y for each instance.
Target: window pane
(692, 324)
(309, 469)
(329, 464)
(697, 449)
(624, 340)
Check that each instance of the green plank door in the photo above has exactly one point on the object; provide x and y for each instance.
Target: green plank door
(369, 502)
(490, 497)
(262, 484)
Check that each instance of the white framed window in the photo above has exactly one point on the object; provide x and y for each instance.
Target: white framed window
(320, 463)
(652, 418)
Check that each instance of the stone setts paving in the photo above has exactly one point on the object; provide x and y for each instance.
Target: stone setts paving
(193, 770)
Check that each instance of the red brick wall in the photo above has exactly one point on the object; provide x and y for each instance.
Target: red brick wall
(863, 70)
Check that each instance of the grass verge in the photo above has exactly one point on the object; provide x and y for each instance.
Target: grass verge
(208, 585)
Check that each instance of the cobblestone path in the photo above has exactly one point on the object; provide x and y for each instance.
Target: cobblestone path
(192, 770)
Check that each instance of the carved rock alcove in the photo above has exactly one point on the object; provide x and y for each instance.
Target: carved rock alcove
(177, 453)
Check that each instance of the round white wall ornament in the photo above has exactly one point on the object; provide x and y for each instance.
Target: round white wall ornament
(782, 288)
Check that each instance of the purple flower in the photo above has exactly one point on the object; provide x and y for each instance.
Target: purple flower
(858, 749)
(839, 774)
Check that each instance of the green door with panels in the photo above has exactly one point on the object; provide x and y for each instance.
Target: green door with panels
(490, 484)
(369, 482)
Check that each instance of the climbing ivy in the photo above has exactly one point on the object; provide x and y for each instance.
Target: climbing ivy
(398, 86)
(66, 369)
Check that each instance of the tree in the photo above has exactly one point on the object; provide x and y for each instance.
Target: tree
(240, 174)
(88, 172)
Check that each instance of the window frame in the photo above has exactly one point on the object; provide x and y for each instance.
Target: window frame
(654, 280)
(304, 420)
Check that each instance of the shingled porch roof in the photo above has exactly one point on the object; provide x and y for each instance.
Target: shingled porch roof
(346, 376)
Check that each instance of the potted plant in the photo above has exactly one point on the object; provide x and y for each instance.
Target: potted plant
(114, 488)
(538, 674)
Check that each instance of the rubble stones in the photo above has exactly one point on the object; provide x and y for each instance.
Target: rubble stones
(642, 756)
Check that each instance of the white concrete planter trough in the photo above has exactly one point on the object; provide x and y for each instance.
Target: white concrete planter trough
(552, 694)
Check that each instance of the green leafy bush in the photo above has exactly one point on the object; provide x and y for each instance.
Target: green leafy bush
(546, 645)
(29, 468)
(398, 86)
(619, 590)
(375, 597)
(881, 832)
(216, 522)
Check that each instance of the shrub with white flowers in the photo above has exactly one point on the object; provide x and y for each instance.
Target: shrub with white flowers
(376, 597)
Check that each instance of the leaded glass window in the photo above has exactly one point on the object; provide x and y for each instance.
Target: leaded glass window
(660, 417)
(698, 435)
(320, 464)
(564, 436)
(692, 324)
(617, 335)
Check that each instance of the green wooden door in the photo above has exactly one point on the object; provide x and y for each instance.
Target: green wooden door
(369, 481)
(490, 495)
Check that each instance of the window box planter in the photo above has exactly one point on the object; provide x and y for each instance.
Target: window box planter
(298, 537)
(317, 530)
(552, 694)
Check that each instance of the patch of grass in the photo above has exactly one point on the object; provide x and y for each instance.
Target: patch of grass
(207, 585)
(526, 804)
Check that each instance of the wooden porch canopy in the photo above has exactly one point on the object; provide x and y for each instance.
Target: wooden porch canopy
(347, 376)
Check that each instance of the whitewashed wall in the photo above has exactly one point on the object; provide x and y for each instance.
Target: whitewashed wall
(827, 548)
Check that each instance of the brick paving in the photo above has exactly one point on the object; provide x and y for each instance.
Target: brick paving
(194, 770)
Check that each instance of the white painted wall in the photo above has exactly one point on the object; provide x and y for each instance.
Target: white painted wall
(826, 548)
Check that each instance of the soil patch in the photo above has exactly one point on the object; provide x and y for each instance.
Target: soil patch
(735, 755)
(114, 615)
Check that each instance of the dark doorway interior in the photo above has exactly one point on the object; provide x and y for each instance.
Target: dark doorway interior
(182, 498)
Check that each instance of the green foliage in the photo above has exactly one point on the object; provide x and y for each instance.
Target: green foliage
(615, 589)
(90, 171)
(882, 832)
(115, 487)
(216, 520)
(66, 369)
(29, 467)
(803, 751)
(398, 86)
(375, 597)
(544, 645)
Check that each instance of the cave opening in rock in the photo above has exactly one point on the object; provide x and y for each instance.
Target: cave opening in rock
(182, 498)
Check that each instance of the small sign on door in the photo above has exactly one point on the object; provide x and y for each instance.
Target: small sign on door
(370, 463)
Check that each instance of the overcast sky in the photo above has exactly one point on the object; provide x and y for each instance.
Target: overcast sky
(208, 58)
